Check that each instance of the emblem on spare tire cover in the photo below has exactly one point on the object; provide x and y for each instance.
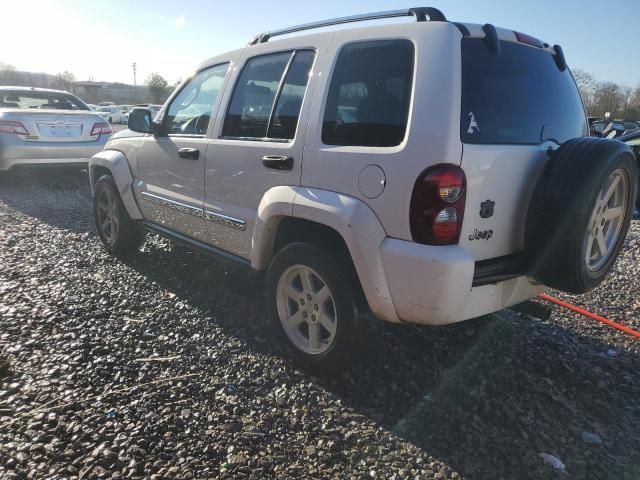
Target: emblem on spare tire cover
(486, 208)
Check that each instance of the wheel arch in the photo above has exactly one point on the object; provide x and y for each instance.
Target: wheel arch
(115, 163)
(343, 224)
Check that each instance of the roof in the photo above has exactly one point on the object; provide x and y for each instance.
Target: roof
(31, 89)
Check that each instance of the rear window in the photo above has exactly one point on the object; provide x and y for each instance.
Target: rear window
(39, 99)
(517, 97)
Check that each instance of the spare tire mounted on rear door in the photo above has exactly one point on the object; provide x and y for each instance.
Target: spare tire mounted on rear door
(580, 213)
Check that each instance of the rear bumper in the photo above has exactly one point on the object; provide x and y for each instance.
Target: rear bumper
(435, 285)
(31, 153)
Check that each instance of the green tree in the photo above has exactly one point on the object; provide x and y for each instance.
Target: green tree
(158, 87)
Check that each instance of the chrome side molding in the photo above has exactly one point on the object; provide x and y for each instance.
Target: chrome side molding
(165, 202)
(218, 218)
(225, 220)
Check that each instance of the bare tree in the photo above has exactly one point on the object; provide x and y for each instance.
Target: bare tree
(608, 97)
(587, 86)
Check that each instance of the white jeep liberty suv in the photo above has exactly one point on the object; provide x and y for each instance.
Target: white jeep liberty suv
(424, 172)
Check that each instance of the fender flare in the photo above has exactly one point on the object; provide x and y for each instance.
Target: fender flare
(116, 163)
(354, 221)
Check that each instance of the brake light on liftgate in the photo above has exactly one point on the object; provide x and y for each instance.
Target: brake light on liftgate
(437, 205)
(101, 129)
(13, 127)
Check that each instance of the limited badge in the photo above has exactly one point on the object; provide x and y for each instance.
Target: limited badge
(486, 208)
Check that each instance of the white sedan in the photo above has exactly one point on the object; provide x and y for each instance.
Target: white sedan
(110, 113)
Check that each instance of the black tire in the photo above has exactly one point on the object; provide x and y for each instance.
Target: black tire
(127, 239)
(353, 331)
(109, 120)
(563, 201)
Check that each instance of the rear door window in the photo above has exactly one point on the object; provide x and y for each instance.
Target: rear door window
(369, 94)
(517, 97)
(268, 96)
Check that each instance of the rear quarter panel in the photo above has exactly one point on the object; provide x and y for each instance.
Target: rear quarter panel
(432, 133)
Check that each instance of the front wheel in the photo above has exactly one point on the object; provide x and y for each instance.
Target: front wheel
(119, 234)
(312, 308)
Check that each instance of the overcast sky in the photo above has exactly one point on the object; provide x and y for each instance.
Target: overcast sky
(100, 39)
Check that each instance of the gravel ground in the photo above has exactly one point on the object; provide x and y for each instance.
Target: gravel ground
(163, 368)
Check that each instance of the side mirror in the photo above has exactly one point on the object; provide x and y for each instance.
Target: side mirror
(140, 120)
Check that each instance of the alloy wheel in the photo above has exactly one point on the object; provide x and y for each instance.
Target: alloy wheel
(607, 219)
(307, 309)
(108, 220)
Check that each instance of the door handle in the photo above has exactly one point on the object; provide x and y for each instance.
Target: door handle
(190, 153)
(278, 162)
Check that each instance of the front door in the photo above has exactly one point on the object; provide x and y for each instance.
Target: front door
(258, 144)
(170, 186)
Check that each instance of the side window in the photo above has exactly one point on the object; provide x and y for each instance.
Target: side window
(190, 111)
(263, 105)
(369, 95)
(285, 117)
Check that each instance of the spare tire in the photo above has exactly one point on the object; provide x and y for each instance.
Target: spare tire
(580, 213)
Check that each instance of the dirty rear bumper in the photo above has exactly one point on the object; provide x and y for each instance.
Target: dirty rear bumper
(434, 285)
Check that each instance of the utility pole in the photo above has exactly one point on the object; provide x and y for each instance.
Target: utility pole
(134, 80)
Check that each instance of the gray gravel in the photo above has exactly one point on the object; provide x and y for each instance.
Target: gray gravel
(163, 368)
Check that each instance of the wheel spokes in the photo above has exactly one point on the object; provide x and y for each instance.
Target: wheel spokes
(327, 323)
(305, 279)
(314, 336)
(613, 213)
(611, 189)
(291, 292)
(295, 320)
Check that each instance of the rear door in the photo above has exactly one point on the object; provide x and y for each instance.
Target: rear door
(515, 106)
(259, 141)
(170, 185)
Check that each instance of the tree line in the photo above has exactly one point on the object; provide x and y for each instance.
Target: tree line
(602, 97)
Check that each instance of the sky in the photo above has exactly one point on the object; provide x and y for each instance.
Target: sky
(100, 39)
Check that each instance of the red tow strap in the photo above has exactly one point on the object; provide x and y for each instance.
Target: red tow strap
(588, 314)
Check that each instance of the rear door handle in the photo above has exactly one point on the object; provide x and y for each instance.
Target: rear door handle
(278, 162)
(190, 153)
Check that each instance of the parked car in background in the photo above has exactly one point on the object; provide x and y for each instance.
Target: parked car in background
(110, 113)
(42, 126)
(611, 128)
(154, 109)
(633, 140)
(394, 213)
(124, 110)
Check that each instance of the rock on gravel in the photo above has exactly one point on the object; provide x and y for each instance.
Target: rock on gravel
(163, 367)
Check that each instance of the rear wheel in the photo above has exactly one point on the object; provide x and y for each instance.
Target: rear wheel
(580, 213)
(119, 234)
(312, 309)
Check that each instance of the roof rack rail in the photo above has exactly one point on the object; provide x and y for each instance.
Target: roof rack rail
(420, 13)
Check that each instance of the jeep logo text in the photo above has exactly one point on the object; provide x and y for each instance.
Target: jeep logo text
(481, 234)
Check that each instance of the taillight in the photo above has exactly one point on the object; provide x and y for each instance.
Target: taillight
(13, 127)
(437, 205)
(101, 129)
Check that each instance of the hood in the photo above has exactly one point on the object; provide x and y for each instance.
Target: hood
(126, 134)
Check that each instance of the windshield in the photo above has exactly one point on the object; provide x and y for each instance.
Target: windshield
(517, 97)
(103, 109)
(35, 99)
